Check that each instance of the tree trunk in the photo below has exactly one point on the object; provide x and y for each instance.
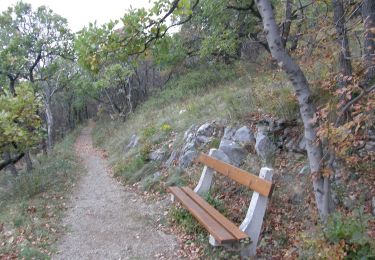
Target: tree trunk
(50, 124)
(10, 167)
(287, 22)
(296, 37)
(342, 40)
(12, 83)
(307, 108)
(29, 163)
(129, 97)
(368, 14)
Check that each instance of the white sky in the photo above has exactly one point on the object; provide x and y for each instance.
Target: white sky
(81, 12)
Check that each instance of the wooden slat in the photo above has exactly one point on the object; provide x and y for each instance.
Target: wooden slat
(212, 226)
(227, 224)
(252, 181)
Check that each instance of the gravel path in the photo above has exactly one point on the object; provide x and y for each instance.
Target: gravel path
(108, 222)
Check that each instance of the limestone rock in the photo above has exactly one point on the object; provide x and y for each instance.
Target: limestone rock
(220, 155)
(187, 158)
(206, 129)
(201, 139)
(265, 148)
(158, 155)
(171, 158)
(229, 133)
(132, 143)
(234, 151)
(243, 136)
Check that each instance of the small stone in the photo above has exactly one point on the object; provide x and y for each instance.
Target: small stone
(373, 206)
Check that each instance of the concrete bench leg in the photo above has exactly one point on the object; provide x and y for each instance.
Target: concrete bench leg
(205, 181)
(252, 223)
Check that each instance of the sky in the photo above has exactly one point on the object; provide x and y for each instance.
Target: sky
(81, 12)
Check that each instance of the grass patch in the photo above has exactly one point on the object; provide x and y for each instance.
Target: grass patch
(31, 207)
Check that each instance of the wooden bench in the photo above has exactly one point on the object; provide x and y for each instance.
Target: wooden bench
(222, 231)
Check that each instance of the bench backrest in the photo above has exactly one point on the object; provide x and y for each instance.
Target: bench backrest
(251, 181)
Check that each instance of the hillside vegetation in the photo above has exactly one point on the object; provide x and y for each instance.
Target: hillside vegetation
(298, 74)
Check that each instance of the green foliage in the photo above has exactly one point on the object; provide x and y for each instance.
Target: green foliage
(181, 217)
(32, 204)
(352, 230)
(215, 202)
(343, 237)
(60, 167)
(27, 36)
(215, 143)
(33, 253)
(19, 122)
(149, 131)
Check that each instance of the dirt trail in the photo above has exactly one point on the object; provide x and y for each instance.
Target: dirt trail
(108, 222)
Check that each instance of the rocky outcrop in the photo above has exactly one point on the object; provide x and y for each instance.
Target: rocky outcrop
(233, 143)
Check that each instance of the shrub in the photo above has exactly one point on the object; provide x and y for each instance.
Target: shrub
(343, 237)
(148, 132)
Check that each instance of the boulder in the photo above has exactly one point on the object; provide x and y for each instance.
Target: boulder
(234, 151)
(265, 148)
(243, 136)
(220, 155)
(187, 158)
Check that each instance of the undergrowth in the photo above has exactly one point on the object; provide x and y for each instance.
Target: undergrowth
(32, 204)
(343, 237)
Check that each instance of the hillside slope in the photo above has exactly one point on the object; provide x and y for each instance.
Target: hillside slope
(147, 152)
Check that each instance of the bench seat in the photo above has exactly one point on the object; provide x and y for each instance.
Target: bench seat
(222, 229)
